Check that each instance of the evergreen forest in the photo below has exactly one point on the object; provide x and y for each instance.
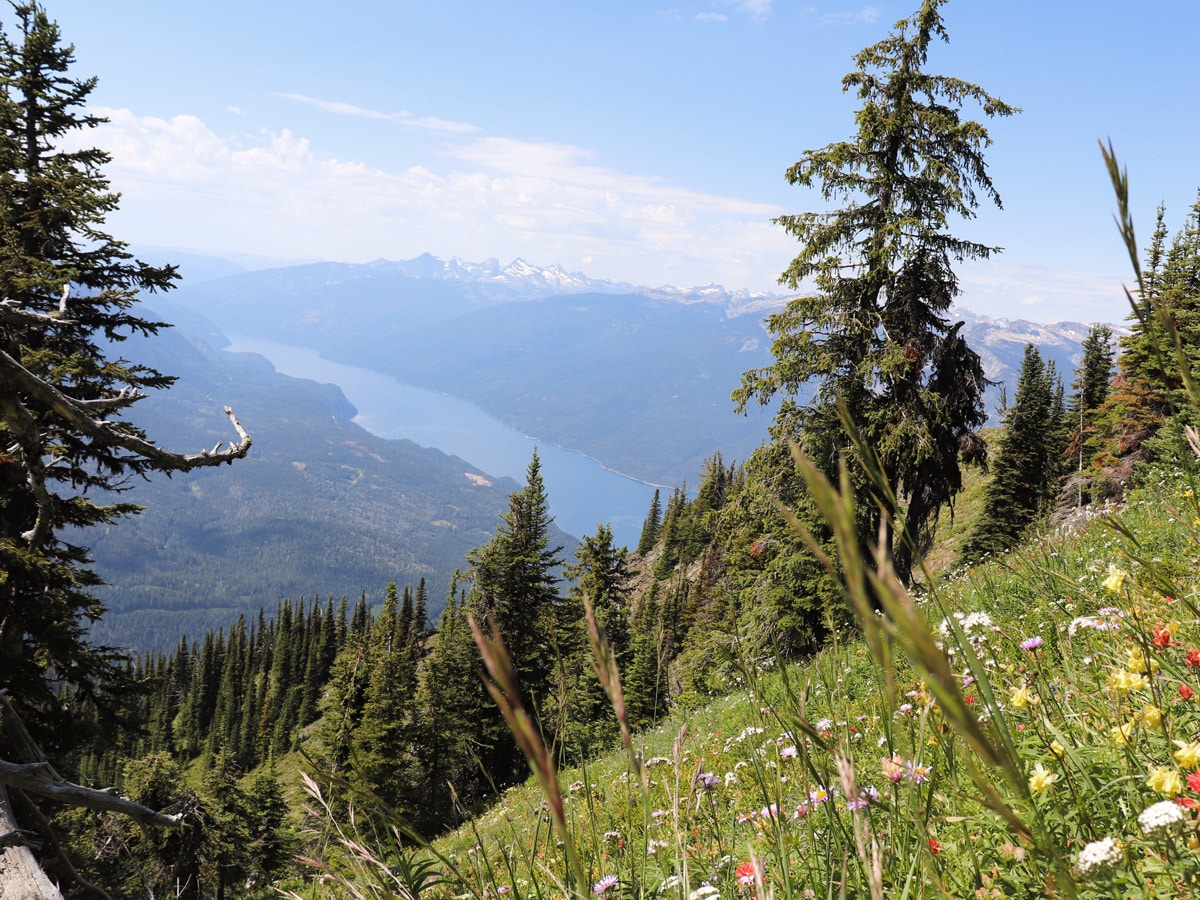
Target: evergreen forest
(891, 653)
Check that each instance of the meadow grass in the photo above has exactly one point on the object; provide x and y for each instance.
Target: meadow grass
(1028, 728)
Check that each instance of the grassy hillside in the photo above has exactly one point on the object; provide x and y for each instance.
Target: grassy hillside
(1029, 729)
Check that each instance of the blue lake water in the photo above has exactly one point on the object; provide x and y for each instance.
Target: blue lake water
(583, 494)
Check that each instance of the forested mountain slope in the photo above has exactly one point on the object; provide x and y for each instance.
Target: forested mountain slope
(319, 507)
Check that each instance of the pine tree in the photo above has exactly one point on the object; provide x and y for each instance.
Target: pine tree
(650, 526)
(1028, 463)
(875, 336)
(601, 574)
(1091, 388)
(459, 719)
(516, 585)
(67, 292)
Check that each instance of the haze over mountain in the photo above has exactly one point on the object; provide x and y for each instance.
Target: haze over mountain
(638, 377)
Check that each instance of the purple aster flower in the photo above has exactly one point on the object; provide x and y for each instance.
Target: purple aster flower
(608, 881)
(707, 781)
(1031, 643)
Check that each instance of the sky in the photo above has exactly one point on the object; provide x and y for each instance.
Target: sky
(626, 139)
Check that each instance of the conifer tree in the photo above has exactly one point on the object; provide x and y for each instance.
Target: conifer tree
(515, 583)
(601, 574)
(875, 336)
(1091, 388)
(1028, 464)
(458, 716)
(650, 526)
(67, 296)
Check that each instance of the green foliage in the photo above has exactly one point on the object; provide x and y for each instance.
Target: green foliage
(875, 337)
(1028, 467)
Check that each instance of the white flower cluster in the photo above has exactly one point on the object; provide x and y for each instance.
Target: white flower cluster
(1098, 856)
(1161, 817)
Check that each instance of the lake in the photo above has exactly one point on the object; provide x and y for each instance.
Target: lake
(582, 492)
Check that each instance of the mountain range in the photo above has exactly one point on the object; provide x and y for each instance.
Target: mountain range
(636, 377)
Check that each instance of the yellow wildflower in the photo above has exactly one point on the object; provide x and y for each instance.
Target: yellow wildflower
(1122, 733)
(1137, 662)
(1188, 754)
(1041, 778)
(1116, 579)
(1151, 716)
(1122, 681)
(1057, 749)
(1165, 780)
(1022, 698)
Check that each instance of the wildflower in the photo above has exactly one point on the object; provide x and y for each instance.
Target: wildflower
(1151, 716)
(1165, 780)
(1185, 692)
(745, 873)
(1193, 782)
(1160, 817)
(1164, 634)
(1122, 681)
(934, 847)
(893, 769)
(1122, 733)
(1031, 643)
(605, 883)
(1137, 662)
(703, 892)
(1188, 754)
(1057, 749)
(1116, 579)
(788, 752)
(707, 781)
(1023, 697)
(1098, 856)
(823, 724)
(655, 845)
(1041, 778)
(919, 774)
(819, 795)
(1193, 658)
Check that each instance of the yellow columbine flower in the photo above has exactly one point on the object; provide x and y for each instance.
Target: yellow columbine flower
(1022, 698)
(1137, 662)
(1151, 716)
(1123, 681)
(1188, 754)
(1116, 579)
(1041, 778)
(1165, 780)
(1122, 733)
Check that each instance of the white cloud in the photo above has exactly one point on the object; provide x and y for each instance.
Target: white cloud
(711, 17)
(274, 194)
(866, 16)
(758, 9)
(404, 117)
(1008, 290)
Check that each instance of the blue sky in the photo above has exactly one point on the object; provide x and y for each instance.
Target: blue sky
(635, 141)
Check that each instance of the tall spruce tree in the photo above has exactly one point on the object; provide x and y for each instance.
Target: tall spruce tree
(67, 297)
(1028, 464)
(515, 587)
(1091, 388)
(875, 336)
